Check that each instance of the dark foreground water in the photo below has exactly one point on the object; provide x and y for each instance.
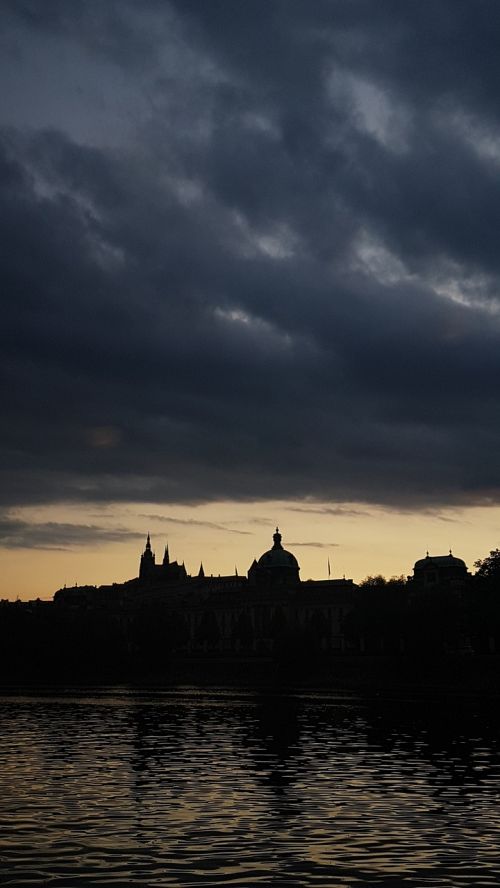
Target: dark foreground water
(219, 787)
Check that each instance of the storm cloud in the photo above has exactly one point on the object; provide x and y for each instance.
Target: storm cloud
(250, 251)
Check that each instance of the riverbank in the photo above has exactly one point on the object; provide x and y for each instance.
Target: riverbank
(472, 674)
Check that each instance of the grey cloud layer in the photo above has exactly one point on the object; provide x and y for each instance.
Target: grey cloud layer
(279, 280)
(53, 535)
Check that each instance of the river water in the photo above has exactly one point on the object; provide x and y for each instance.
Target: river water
(245, 787)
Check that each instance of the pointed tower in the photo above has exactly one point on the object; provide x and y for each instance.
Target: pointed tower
(201, 572)
(147, 565)
(166, 556)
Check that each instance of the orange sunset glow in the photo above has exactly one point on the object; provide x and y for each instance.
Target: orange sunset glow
(358, 540)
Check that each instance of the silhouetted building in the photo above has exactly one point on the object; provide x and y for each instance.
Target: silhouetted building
(256, 614)
(165, 612)
(439, 571)
(277, 567)
(166, 572)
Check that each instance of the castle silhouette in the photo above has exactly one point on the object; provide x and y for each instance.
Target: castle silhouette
(224, 613)
(257, 613)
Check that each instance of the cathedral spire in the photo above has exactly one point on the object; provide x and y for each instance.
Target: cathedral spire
(166, 557)
(147, 563)
(277, 539)
(201, 572)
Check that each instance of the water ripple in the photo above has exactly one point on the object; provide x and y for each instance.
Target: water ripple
(188, 787)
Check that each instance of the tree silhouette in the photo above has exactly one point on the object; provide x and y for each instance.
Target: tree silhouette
(489, 567)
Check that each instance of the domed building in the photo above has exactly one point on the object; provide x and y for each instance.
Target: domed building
(255, 615)
(439, 570)
(276, 567)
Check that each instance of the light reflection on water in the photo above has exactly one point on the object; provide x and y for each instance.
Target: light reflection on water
(206, 787)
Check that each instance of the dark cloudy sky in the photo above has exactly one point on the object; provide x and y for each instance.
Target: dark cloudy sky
(249, 251)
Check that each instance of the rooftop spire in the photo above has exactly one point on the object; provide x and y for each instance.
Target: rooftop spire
(147, 560)
(166, 556)
(277, 539)
(201, 572)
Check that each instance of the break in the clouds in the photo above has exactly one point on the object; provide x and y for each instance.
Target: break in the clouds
(250, 251)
